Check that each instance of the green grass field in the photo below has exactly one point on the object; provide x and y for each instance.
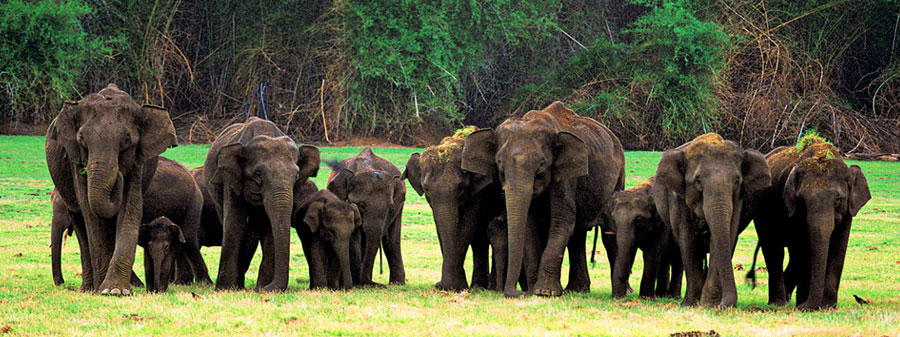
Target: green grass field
(31, 304)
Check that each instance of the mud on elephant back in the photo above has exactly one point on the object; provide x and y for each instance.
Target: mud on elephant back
(704, 190)
(557, 170)
(101, 152)
(254, 172)
(809, 210)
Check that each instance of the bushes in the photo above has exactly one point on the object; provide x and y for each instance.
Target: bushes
(43, 50)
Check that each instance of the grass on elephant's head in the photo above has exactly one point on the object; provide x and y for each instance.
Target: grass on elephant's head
(30, 304)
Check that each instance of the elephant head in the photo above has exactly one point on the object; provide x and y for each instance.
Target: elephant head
(335, 222)
(827, 193)
(437, 174)
(104, 136)
(373, 192)
(713, 176)
(527, 155)
(161, 240)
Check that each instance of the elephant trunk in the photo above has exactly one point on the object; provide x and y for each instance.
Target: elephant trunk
(718, 210)
(519, 190)
(342, 248)
(164, 265)
(622, 268)
(820, 226)
(446, 219)
(105, 186)
(278, 206)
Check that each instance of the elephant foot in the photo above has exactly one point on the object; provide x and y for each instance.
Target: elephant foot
(86, 288)
(579, 288)
(808, 306)
(136, 281)
(205, 281)
(183, 281)
(778, 302)
(448, 287)
(630, 290)
(271, 288)
(116, 287)
(371, 284)
(688, 302)
(548, 288)
(514, 293)
(397, 282)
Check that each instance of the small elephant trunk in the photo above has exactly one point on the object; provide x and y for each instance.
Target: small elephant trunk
(343, 253)
(105, 186)
(623, 264)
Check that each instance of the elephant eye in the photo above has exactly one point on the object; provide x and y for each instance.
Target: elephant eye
(838, 201)
(698, 185)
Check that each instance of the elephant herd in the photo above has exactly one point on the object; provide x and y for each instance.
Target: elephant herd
(519, 196)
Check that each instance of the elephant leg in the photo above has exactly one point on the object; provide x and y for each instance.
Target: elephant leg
(356, 256)
(183, 272)
(612, 248)
(391, 246)
(87, 269)
(371, 242)
(135, 280)
(201, 273)
(234, 235)
(59, 223)
(532, 257)
(836, 255)
(711, 293)
(562, 227)
(662, 276)
(677, 270)
(480, 261)
(579, 280)
(774, 256)
(651, 270)
(150, 272)
(267, 266)
(118, 275)
(693, 270)
(245, 257)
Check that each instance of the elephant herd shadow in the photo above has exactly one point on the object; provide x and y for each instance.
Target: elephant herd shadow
(519, 196)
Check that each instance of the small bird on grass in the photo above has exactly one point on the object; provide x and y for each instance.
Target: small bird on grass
(860, 300)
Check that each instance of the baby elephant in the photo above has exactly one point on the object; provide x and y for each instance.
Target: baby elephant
(637, 225)
(162, 240)
(330, 230)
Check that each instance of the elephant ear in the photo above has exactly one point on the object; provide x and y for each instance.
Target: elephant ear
(60, 160)
(175, 232)
(308, 161)
(571, 157)
(791, 191)
(339, 184)
(357, 218)
(478, 153)
(670, 171)
(144, 235)
(859, 190)
(157, 132)
(313, 215)
(229, 167)
(757, 176)
(413, 173)
(398, 190)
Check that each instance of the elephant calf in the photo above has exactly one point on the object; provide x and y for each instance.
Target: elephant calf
(162, 240)
(330, 231)
(637, 225)
(373, 184)
(809, 210)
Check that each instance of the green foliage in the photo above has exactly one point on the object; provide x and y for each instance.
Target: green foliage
(43, 49)
(410, 55)
(810, 137)
(682, 56)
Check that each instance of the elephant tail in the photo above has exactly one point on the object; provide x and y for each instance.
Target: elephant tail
(594, 249)
(751, 274)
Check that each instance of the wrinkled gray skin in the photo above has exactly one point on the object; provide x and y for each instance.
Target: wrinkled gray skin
(253, 173)
(162, 240)
(210, 226)
(462, 206)
(102, 152)
(633, 216)
(373, 184)
(328, 228)
(808, 210)
(557, 170)
(699, 192)
(498, 236)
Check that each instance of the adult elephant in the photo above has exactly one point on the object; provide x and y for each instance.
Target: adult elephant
(557, 170)
(172, 193)
(808, 210)
(463, 203)
(210, 226)
(373, 184)
(102, 153)
(699, 192)
(254, 172)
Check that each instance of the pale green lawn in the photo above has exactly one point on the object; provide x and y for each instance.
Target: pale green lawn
(30, 304)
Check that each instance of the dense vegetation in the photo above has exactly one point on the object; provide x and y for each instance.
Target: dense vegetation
(657, 72)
